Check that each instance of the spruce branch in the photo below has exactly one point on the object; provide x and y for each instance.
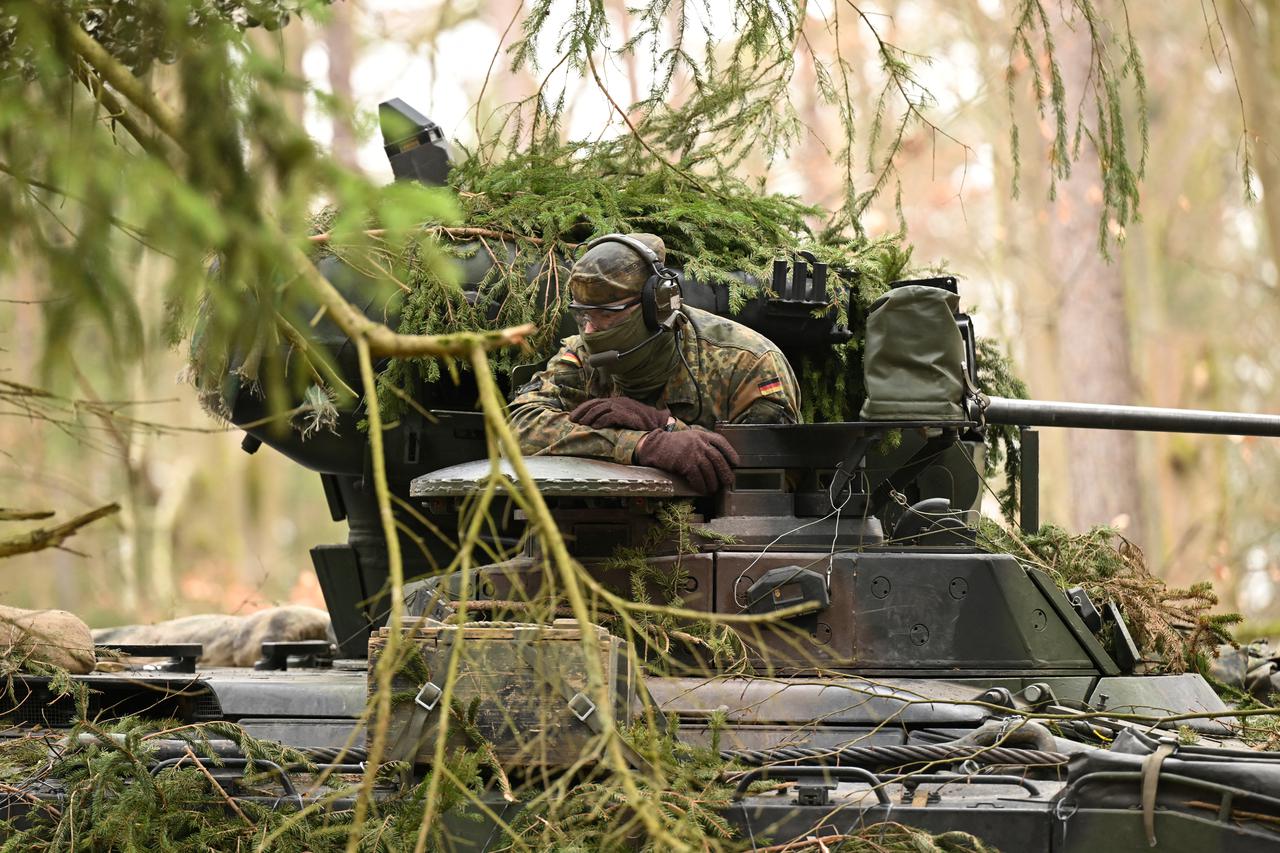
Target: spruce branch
(1245, 136)
(120, 78)
(383, 342)
(120, 114)
(450, 231)
(493, 60)
(1101, 92)
(639, 137)
(1176, 624)
(897, 66)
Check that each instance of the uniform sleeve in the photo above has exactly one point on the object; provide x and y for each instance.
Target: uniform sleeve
(540, 415)
(767, 394)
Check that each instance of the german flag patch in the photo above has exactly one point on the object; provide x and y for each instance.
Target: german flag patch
(770, 386)
(571, 357)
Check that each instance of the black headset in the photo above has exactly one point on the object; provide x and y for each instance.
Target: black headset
(662, 283)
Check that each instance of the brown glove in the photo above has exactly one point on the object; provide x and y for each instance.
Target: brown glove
(619, 412)
(703, 458)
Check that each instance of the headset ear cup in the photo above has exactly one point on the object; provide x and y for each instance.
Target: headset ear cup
(649, 303)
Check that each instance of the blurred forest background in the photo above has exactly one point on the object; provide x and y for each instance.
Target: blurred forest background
(1182, 315)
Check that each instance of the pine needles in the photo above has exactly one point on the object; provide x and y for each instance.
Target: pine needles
(114, 793)
(1114, 73)
(1174, 624)
(668, 642)
(523, 216)
(688, 795)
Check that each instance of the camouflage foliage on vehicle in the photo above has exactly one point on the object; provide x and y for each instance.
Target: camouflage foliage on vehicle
(547, 202)
(1175, 627)
(118, 798)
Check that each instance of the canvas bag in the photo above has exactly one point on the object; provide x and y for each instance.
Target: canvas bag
(913, 361)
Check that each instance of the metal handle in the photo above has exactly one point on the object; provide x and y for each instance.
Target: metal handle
(876, 780)
(841, 774)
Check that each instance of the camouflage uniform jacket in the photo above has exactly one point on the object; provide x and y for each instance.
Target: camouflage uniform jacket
(743, 377)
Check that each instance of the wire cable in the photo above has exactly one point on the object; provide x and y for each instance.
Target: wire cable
(680, 351)
(835, 535)
(766, 548)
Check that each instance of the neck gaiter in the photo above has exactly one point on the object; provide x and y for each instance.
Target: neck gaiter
(645, 371)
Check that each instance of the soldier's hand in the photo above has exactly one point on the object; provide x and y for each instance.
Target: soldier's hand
(703, 458)
(619, 413)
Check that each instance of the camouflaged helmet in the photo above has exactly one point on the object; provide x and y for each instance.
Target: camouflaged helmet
(612, 272)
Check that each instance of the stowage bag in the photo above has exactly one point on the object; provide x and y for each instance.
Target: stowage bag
(913, 362)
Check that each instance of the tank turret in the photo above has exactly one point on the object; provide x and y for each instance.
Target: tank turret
(831, 624)
(897, 645)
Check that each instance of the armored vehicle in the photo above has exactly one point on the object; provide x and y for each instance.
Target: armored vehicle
(860, 653)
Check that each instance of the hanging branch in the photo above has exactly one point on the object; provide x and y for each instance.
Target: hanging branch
(896, 64)
(1107, 81)
(1246, 165)
(683, 174)
(540, 519)
(387, 664)
(383, 342)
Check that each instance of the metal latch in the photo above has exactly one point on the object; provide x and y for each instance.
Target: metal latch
(582, 706)
(813, 795)
(912, 796)
(428, 695)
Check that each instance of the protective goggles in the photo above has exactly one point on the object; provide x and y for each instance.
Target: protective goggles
(600, 316)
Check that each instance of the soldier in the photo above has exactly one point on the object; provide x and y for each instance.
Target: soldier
(648, 378)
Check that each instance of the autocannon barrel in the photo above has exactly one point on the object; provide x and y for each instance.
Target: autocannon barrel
(1029, 413)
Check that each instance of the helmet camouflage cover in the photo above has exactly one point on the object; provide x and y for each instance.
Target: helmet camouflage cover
(612, 272)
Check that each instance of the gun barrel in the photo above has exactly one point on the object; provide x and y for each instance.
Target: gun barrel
(1031, 413)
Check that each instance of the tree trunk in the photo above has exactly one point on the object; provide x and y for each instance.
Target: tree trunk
(1093, 352)
(340, 39)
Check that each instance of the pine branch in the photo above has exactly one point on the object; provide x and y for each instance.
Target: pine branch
(450, 231)
(121, 79)
(382, 341)
(120, 114)
(591, 63)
